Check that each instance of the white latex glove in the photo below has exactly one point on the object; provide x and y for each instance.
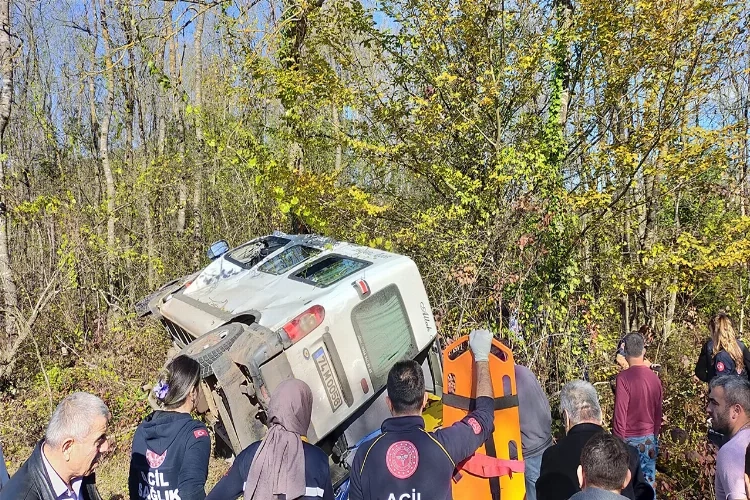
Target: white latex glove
(480, 342)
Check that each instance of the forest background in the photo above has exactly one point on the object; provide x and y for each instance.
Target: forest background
(562, 171)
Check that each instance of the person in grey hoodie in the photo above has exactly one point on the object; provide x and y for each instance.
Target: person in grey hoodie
(603, 472)
(171, 449)
(536, 425)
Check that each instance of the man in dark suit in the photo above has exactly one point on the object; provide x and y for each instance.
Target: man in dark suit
(62, 464)
(582, 416)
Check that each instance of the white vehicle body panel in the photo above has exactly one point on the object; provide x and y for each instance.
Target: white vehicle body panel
(338, 321)
(332, 358)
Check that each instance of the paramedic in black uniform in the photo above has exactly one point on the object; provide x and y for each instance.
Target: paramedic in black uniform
(170, 448)
(407, 463)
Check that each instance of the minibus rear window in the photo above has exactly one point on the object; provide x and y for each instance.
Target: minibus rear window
(384, 333)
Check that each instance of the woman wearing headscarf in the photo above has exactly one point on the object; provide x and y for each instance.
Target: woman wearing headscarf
(283, 465)
(170, 448)
(723, 353)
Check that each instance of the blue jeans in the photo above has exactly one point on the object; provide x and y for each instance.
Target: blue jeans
(3, 470)
(648, 449)
(533, 466)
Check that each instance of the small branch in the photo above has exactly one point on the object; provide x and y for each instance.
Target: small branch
(25, 327)
(44, 372)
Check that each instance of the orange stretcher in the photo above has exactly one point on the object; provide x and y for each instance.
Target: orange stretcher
(495, 471)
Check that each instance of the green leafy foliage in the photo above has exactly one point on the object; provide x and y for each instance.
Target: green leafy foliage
(561, 172)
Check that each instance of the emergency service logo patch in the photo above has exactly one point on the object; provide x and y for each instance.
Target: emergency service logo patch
(155, 460)
(475, 426)
(200, 433)
(402, 459)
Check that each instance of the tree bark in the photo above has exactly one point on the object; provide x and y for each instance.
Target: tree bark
(128, 20)
(175, 69)
(625, 299)
(669, 319)
(649, 195)
(293, 34)
(161, 110)
(144, 201)
(337, 127)
(93, 116)
(109, 101)
(566, 19)
(197, 191)
(10, 293)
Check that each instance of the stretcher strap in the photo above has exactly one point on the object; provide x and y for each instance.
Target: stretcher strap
(469, 404)
(489, 446)
(485, 466)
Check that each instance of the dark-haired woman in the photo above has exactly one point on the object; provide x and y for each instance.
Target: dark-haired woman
(170, 448)
(283, 464)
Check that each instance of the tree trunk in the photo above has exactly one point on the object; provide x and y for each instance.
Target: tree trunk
(177, 116)
(626, 256)
(620, 135)
(10, 294)
(337, 128)
(293, 35)
(566, 19)
(669, 319)
(94, 120)
(197, 195)
(109, 101)
(745, 191)
(161, 138)
(129, 83)
(648, 235)
(145, 204)
(161, 108)
(128, 25)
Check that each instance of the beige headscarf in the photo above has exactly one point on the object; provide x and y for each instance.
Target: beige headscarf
(279, 464)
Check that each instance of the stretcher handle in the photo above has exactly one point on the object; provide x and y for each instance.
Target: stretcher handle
(460, 347)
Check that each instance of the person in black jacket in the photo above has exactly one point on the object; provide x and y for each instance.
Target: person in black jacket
(62, 464)
(170, 453)
(582, 415)
(283, 464)
(723, 353)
